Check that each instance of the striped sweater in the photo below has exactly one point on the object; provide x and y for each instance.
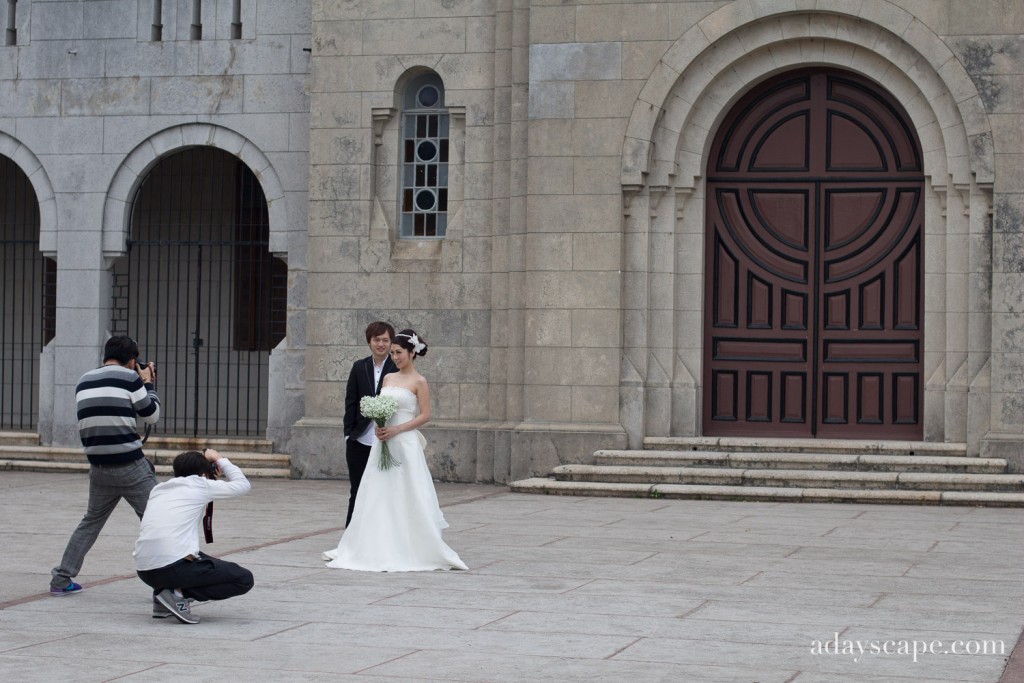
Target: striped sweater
(109, 399)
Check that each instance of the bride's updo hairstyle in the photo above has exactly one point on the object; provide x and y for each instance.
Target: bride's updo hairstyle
(411, 342)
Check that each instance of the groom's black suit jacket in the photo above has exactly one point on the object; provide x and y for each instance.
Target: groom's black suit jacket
(360, 383)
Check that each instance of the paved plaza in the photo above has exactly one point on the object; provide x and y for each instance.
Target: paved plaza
(559, 589)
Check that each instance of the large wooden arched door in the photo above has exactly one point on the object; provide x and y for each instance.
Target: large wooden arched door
(814, 264)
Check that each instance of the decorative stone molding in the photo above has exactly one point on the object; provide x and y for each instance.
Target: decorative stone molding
(118, 205)
(30, 165)
(715, 61)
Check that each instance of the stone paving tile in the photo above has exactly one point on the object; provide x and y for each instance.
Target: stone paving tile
(560, 589)
(774, 657)
(472, 580)
(623, 572)
(669, 546)
(1010, 588)
(765, 594)
(577, 604)
(458, 641)
(152, 645)
(783, 564)
(26, 669)
(779, 538)
(211, 673)
(129, 619)
(559, 668)
(850, 616)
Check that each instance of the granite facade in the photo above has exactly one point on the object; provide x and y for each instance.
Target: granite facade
(564, 306)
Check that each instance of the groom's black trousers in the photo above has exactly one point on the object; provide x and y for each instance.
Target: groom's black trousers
(356, 455)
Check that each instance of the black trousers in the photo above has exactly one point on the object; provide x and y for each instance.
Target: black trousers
(356, 455)
(205, 578)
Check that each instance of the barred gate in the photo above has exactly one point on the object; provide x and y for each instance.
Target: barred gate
(27, 302)
(201, 293)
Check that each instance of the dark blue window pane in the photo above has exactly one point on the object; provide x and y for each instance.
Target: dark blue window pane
(425, 200)
(428, 96)
(426, 150)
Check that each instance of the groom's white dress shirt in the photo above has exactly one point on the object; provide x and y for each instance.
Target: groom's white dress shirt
(368, 438)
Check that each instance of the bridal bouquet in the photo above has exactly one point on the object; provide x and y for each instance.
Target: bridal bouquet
(380, 409)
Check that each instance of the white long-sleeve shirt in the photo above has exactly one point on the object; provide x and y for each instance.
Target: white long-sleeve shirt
(170, 526)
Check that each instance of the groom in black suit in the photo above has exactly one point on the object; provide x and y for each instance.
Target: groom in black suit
(365, 380)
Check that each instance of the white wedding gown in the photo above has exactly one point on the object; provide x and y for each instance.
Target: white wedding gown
(397, 522)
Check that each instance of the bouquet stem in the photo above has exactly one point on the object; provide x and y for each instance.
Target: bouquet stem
(387, 461)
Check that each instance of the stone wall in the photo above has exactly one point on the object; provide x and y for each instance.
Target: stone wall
(89, 101)
(564, 307)
(588, 124)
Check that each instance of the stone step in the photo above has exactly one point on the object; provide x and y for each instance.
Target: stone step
(726, 476)
(188, 443)
(809, 461)
(160, 457)
(825, 446)
(768, 494)
(83, 468)
(19, 439)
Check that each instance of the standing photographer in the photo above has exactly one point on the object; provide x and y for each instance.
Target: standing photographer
(109, 399)
(167, 556)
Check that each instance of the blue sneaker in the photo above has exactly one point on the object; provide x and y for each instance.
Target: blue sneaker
(66, 590)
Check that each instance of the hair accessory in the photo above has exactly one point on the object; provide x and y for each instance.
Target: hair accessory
(417, 345)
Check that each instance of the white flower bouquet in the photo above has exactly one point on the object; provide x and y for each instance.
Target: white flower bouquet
(380, 409)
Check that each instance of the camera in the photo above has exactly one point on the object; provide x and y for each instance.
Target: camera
(212, 470)
(142, 365)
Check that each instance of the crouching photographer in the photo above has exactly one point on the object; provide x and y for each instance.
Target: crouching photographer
(167, 555)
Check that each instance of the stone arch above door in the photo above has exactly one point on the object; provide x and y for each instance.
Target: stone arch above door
(914, 64)
(117, 208)
(29, 163)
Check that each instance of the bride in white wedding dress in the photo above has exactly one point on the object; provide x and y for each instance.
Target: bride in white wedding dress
(397, 522)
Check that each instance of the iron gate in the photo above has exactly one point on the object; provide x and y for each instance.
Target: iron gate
(201, 293)
(27, 303)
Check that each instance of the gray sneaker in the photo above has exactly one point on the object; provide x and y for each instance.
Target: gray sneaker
(161, 612)
(180, 608)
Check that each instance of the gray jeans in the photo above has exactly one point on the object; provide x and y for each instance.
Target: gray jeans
(108, 484)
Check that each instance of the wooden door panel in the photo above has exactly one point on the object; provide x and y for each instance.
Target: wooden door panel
(814, 311)
(760, 293)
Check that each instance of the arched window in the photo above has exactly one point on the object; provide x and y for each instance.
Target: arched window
(424, 150)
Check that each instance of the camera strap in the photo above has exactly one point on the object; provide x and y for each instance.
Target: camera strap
(208, 523)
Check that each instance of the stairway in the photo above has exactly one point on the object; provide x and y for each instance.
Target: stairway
(21, 451)
(790, 470)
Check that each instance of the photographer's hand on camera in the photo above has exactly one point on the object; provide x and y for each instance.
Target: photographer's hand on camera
(147, 372)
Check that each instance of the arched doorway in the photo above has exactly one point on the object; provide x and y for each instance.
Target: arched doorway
(814, 264)
(27, 299)
(201, 292)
